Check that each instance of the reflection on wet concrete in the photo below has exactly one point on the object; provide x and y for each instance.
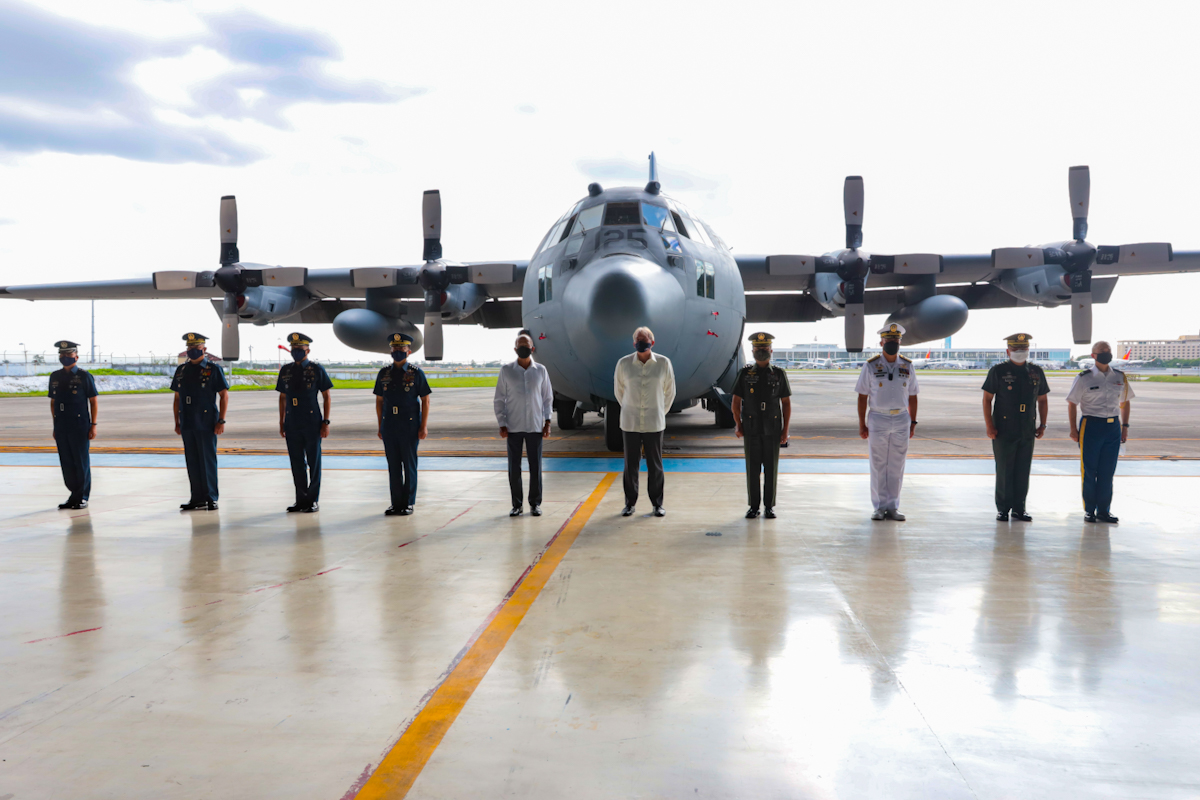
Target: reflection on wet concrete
(758, 607)
(874, 625)
(1090, 635)
(1006, 635)
(308, 610)
(81, 593)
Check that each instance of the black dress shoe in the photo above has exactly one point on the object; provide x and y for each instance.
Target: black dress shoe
(77, 506)
(311, 509)
(535, 511)
(211, 505)
(769, 513)
(659, 511)
(516, 511)
(404, 512)
(627, 511)
(194, 505)
(752, 513)
(1089, 517)
(1001, 516)
(1022, 516)
(391, 512)
(1106, 518)
(65, 505)
(412, 510)
(295, 508)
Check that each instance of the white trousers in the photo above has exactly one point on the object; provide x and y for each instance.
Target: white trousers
(888, 444)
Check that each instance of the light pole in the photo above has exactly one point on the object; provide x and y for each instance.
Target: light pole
(24, 358)
(251, 356)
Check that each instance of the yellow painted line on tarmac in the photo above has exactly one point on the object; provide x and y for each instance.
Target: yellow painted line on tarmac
(402, 765)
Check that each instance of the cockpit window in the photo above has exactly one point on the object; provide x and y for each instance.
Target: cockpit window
(622, 214)
(588, 219)
(698, 232)
(654, 216)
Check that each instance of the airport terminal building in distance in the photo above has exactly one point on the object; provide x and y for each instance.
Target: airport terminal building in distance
(1185, 347)
(830, 354)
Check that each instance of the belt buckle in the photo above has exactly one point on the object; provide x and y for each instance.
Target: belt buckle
(1022, 408)
(762, 406)
(894, 411)
(1110, 419)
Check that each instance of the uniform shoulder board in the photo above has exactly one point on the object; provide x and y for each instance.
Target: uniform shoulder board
(874, 358)
(906, 358)
(179, 369)
(1119, 372)
(1085, 372)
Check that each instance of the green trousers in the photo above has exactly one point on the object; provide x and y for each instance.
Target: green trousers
(1014, 457)
(762, 455)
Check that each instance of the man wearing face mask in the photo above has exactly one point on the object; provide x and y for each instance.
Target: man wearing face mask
(1101, 394)
(523, 402)
(762, 408)
(887, 387)
(644, 384)
(402, 410)
(73, 407)
(198, 383)
(302, 422)
(1010, 393)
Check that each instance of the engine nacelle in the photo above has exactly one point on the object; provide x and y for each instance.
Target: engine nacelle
(462, 300)
(827, 289)
(1043, 286)
(368, 330)
(263, 304)
(933, 318)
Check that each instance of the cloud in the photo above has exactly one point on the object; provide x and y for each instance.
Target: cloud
(527, 109)
(66, 86)
(6, 221)
(623, 169)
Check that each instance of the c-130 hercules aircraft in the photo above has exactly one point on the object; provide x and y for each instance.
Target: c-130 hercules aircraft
(625, 257)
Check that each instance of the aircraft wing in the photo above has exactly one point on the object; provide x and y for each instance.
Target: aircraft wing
(132, 289)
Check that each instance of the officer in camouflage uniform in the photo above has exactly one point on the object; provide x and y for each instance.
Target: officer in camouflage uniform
(762, 407)
(1010, 393)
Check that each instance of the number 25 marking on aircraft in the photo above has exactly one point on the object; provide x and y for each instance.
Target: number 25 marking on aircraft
(614, 235)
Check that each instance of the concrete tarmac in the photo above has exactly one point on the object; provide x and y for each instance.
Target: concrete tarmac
(460, 653)
(1165, 422)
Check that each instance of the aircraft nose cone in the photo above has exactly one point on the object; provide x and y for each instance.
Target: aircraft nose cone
(612, 297)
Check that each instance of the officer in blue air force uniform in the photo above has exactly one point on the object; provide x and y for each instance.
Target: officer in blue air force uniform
(303, 422)
(73, 407)
(198, 383)
(402, 409)
(1101, 394)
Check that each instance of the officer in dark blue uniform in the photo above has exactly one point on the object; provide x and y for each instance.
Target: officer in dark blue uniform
(302, 421)
(73, 407)
(197, 385)
(402, 409)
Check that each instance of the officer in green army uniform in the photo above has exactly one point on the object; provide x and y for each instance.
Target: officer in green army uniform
(1010, 393)
(762, 407)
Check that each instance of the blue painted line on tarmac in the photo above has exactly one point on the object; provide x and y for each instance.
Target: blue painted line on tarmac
(794, 466)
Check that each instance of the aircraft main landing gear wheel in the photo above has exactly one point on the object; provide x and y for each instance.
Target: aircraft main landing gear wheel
(613, 440)
(568, 419)
(579, 418)
(724, 416)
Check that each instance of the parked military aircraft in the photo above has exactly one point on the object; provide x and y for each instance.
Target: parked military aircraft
(625, 257)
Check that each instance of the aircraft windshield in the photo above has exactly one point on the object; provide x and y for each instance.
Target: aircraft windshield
(622, 214)
(588, 219)
(655, 216)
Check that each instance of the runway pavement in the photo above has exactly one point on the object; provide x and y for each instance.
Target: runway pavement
(1165, 423)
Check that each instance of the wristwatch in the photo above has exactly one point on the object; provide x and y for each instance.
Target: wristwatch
(1124, 424)
(324, 422)
(220, 422)
(914, 422)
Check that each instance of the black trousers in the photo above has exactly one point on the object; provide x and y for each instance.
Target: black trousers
(1014, 458)
(1099, 450)
(304, 445)
(533, 446)
(652, 443)
(200, 452)
(762, 455)
(74, 456)
(401, 452)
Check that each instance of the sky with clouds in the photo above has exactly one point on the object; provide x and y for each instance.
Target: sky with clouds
(122, 123)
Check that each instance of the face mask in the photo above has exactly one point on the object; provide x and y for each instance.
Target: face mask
(524, 352)
(1103, 358)
(194, 353)
(67, 361)
(299, 354)
(1018, 356)
(399, 355)
(762, 355)
(891, 348)
(642, 346)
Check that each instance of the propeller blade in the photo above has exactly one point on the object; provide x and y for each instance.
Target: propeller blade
(431, 220)
(792, 265)
(170, 281)
(1136, 254)
(1017, 257)
(230, 343)
(1081, 306)
(854, 292)
(433, 336)
(229, 231)
(284, 276)
(852, 204)
(1079, 183)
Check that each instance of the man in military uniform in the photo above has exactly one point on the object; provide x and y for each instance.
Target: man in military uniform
(762, 407)
(1101, 394)
(1010, 392)
(887, 387)
(198, 385)
(73, 407)
(302, 421)
(402, 409)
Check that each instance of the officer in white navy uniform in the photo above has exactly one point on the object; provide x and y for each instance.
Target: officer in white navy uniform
(887, 417)
(1101, 394)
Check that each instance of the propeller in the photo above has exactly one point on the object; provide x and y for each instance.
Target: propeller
(853, 265)
(1077, 257)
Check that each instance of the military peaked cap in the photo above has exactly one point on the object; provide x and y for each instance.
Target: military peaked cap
(400, 340)
(298, 338)
(893, 330)
(65, 346)
(1018, 340)
(761, 338)
(195, 338)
